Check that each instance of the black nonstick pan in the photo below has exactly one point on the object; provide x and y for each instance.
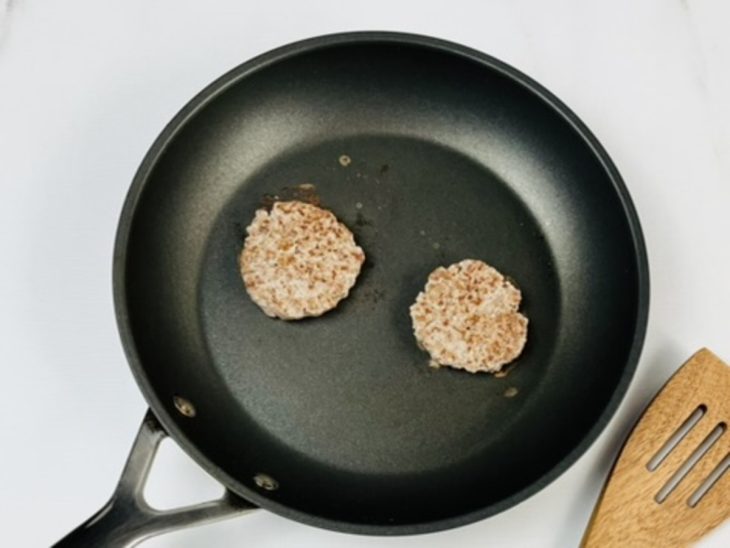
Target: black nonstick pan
(431, 153)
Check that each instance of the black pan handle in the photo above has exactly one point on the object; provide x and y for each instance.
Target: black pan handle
(127, 519)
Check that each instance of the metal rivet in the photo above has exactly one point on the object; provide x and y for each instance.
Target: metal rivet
(266, 482)
(184, 406)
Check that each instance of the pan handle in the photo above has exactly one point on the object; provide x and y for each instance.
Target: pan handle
(127, 519)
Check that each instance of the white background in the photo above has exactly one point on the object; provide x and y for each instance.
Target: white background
(85, 87)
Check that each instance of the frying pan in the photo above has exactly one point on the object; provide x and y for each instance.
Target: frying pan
(431, 153)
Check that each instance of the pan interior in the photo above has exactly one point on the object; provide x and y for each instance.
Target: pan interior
(449, 159)
(351, 389)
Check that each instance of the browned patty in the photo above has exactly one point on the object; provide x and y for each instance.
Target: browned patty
(298, 260)
(467, 318)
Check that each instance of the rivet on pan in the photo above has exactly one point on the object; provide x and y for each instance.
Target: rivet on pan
(266, 482)
(184, 406)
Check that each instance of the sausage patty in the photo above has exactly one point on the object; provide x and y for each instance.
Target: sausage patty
(467, 318)
(298, 260)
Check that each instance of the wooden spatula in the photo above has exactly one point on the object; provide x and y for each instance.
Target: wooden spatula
(670, 484)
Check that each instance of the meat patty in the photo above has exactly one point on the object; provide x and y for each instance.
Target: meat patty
(298, 260)
(466, 317)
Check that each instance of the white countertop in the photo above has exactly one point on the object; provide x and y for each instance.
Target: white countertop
(86, 86)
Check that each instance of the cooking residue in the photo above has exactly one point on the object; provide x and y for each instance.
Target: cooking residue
(305, 192)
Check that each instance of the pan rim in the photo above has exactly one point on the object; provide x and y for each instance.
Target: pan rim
(210, 92)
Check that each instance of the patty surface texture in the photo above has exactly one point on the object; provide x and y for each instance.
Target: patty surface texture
(467, 318)
(298, 260)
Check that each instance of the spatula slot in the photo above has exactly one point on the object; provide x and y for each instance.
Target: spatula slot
(710, 482)
(691, 461)
(677, 437)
